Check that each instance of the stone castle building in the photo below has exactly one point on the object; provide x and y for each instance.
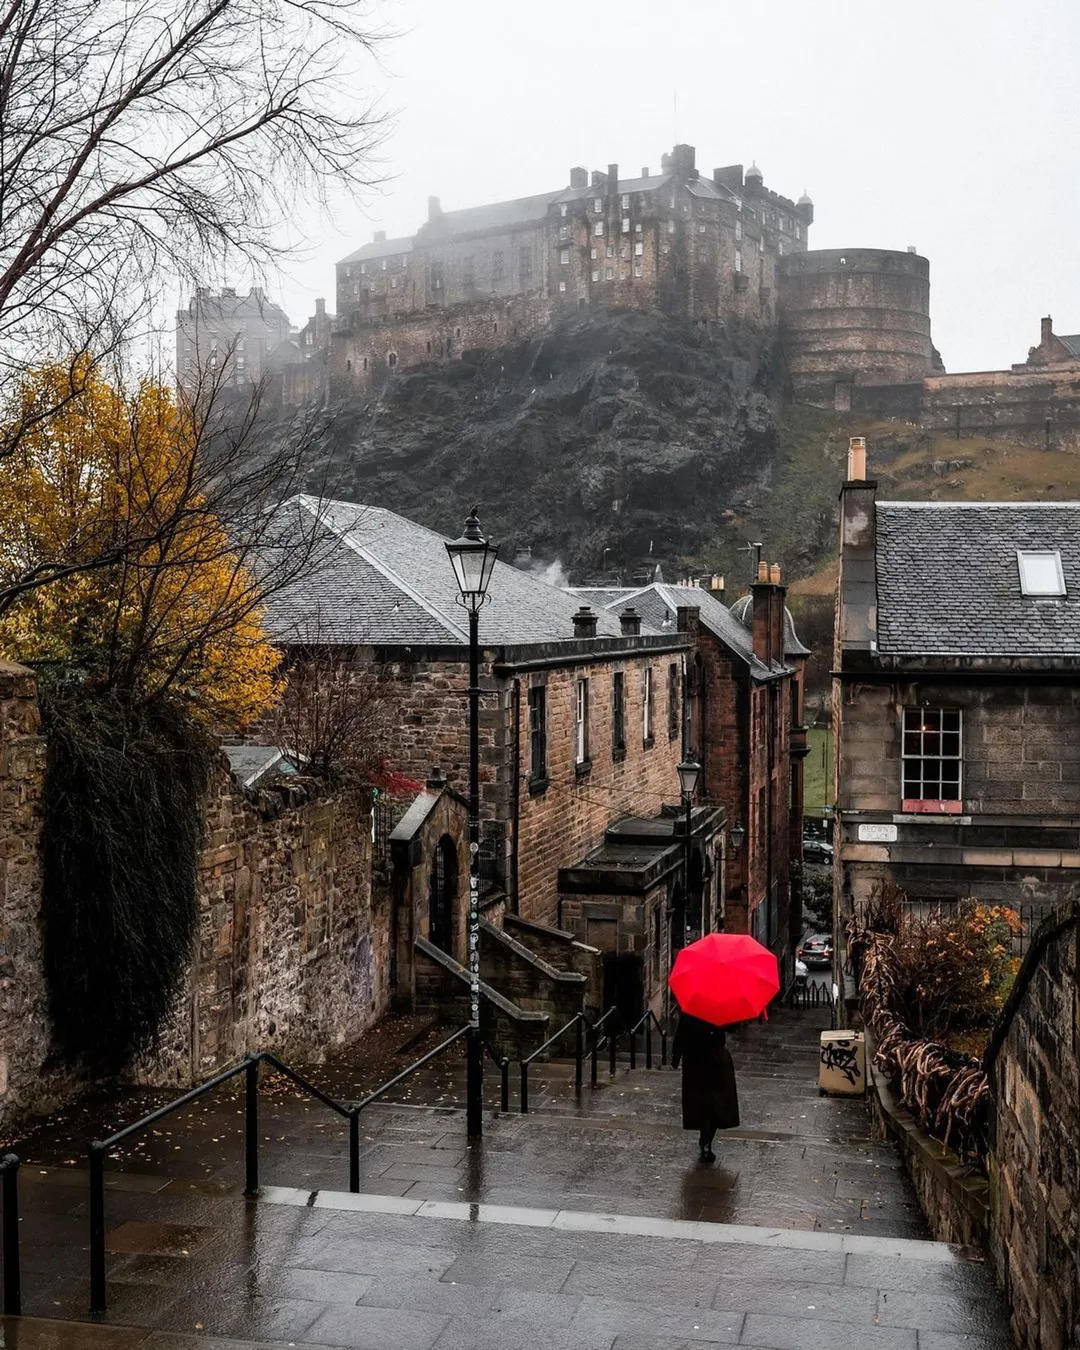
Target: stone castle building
(677, 242)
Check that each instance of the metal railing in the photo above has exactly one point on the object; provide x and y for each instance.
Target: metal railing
(648, 1022)
(611, 1019)
(249, 1067)
(9, 1171)
(578, 1022)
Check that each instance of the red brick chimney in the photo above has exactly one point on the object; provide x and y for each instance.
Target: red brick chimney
(761, 614)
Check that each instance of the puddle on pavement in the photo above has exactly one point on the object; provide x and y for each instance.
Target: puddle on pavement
(156, 1239)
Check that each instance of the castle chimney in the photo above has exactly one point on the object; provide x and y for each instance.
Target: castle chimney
(630, 622)
(585, 623)
(1047, 330)
(856, 459)
(613, 179)
(579, 177)
(380, 236)
(597, 178)
(320, 308)
(761, 619)
(644, 171)
(434, 208)
(730, 177)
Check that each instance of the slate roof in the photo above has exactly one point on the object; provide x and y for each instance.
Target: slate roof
(250, 763)
(495, 215)
(382, 580)
(1070, 341)
(792, 645)
(948, 582)
(381, 248)
(657, 604)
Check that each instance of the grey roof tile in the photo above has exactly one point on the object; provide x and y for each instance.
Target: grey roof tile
(380, 248)
(948, 582)
(386, 581)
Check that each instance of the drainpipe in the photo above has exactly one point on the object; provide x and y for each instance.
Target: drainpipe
(515, 799)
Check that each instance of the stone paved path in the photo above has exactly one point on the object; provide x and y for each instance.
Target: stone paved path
(584, 1224)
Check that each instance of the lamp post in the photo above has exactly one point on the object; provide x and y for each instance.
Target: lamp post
(473, 558)
(689, 771)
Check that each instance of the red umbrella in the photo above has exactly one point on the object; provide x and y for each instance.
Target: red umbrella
(725, 977)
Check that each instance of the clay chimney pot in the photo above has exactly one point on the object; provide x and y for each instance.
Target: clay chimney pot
(774, 574)
(763, 571)
(856, 459)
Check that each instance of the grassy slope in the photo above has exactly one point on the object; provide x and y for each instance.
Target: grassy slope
(818, 770)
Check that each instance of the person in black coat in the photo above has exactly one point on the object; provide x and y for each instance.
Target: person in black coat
(710, 1099)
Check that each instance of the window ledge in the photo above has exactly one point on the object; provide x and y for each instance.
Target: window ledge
(618, 752)
(648, 742)
(583, 768)
(538, 786)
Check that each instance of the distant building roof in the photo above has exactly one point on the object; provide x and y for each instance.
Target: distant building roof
(494, 216)
(382, 580)
(792, 646)
(948, 580)
(1071, 341)
(252, 763)
(658, 603)
(379, 248)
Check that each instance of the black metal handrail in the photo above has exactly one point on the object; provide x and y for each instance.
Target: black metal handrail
(9, 1171)
(649, 1020)
(249, 1067)
(578, 1023)
(503, 1065)
(612, 1038)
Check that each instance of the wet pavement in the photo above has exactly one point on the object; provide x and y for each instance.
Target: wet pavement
(585, 1223)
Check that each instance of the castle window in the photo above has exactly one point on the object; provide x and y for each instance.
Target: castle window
(496, 327)
(562, 285)
(738, 203)
(596, 274)
(393, 284)
(761, 243)
(598, 205)
(525, 264)
(637, 228)
(738, 229)
(365, 364)
(780, 248)
(609, 273)
(429, 348)
(610, 250)
(564, 257)
(626, 201)
(666, 248)
(798, 231)
(738, 260)
(363, 269)
(598, 227)
(468, 272)
(639, 249)
(498, 268)
(626, 225)
(594, 254)
(701, 229)
(384, 264)
(391, 359)
(562, 209)
(637, 269)
(843, 262)
(624, 252)
(671, 227)
(457, 332)
(348, 365)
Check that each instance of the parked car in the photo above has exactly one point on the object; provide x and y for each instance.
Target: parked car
(816, 950)
(817, 851)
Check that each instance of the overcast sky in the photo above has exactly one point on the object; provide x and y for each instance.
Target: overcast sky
(948, 124)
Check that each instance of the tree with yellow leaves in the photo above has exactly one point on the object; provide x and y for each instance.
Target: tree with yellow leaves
(129, 549)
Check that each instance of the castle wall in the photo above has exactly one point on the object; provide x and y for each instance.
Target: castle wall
(855, 316)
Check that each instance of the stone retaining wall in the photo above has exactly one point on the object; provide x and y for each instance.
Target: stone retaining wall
(291, 952)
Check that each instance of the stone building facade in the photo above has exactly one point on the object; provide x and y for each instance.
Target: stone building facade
(674, 242)
(229, 337)
(956, 704)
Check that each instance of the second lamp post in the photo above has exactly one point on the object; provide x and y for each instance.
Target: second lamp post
(473, 559)
(689, 771)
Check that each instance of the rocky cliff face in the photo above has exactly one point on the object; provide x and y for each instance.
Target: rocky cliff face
(612, 442)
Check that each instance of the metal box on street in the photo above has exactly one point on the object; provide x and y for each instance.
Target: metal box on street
(842, 1070)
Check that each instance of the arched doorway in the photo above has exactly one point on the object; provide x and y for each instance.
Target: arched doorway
(442, 894)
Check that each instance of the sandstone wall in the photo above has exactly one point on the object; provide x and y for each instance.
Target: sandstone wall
(1035, 1158)
(291, 953)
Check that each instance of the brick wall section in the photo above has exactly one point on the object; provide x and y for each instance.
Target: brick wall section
(292, 955)
(1035, 1163)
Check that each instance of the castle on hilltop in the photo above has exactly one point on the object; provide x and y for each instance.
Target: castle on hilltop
(674, 242)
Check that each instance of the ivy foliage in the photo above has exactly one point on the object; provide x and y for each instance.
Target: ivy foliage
(123, 830)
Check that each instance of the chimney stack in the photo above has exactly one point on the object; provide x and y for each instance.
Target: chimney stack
(1047, 330)
(644, 171)
(380, 236)
(613, 180)
(320, 308)
(856, 626)
(579, 177)
(434, 208)
(585, 623)
(856, 459)
(630, 622)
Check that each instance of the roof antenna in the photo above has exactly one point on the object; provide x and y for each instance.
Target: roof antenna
(754, 548)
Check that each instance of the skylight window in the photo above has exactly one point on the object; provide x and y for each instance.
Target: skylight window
(1040, 571)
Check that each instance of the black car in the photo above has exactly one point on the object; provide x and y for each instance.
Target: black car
(817, 950)
(817, 851)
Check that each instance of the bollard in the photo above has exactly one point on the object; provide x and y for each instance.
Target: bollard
(251, 1127)
(12, 1276)
(354, 1152)
(97, 1228)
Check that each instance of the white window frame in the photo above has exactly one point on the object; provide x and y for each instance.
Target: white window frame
(738, 260)
(638, 269)
(581, 722)
(923, 733)
(647, 705)
(639, 249)
(564, 257)
(626, 201)
(626, 225)
(598, 205)
(596, 274)
(1035, 577)
(598, 227)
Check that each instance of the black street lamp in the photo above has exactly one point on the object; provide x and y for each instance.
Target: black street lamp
(689, 771)
(473, 558)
